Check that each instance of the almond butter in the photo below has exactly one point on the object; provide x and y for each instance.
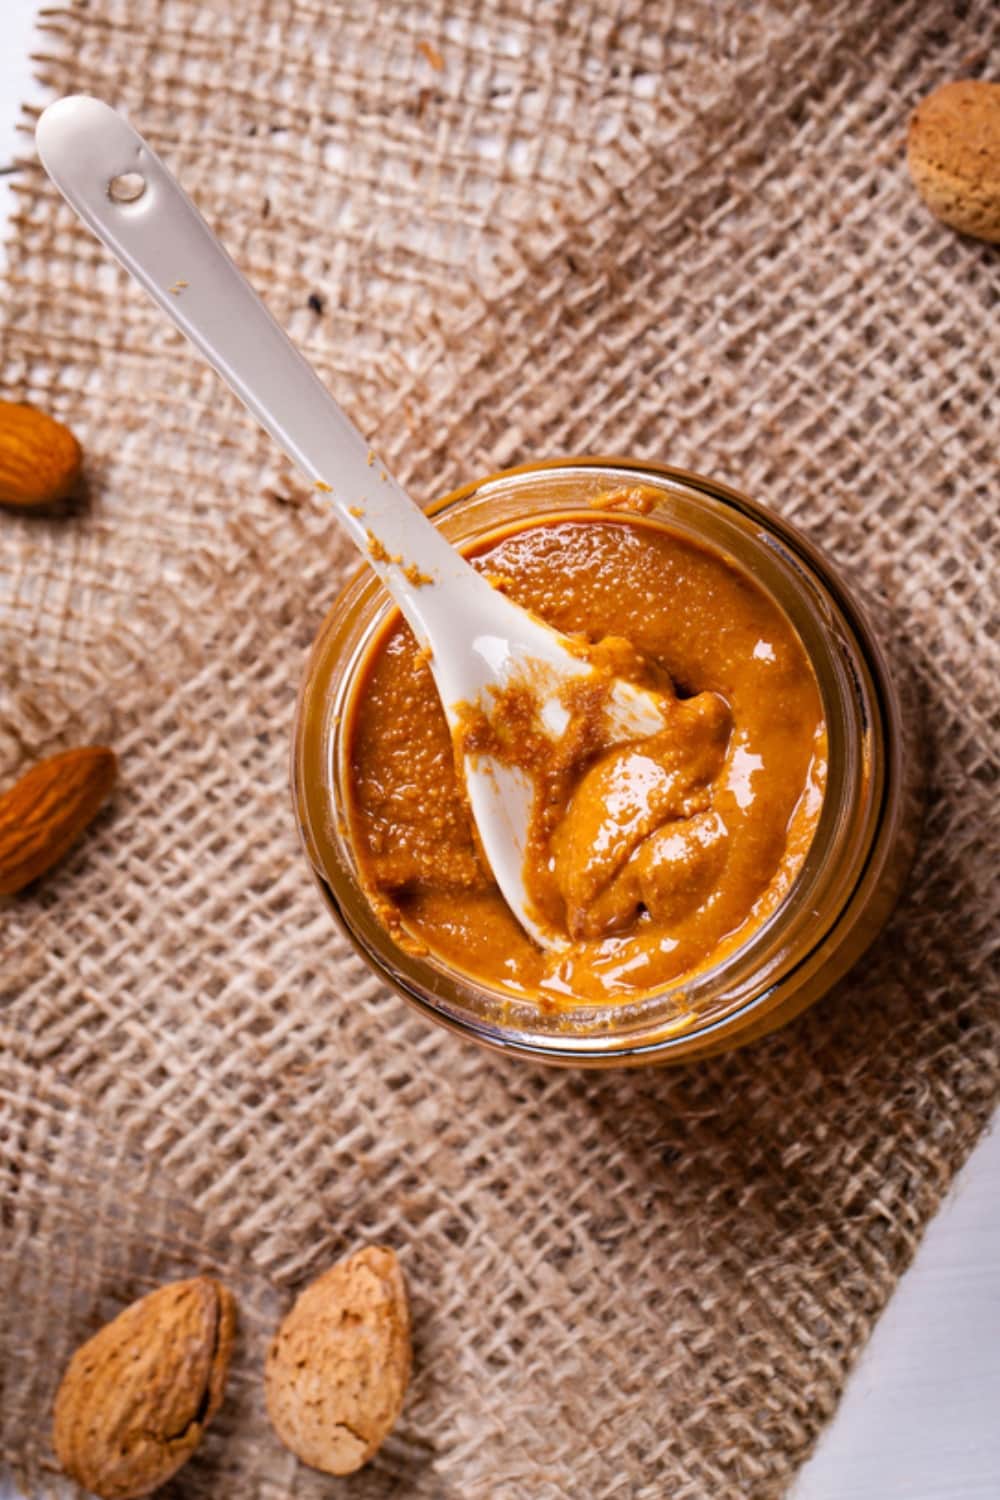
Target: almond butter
(338, 1368)
(39, 457)
(137, 1397)
(953, 152)
(43, 814)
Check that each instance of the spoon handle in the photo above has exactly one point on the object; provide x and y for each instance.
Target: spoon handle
(125, 194)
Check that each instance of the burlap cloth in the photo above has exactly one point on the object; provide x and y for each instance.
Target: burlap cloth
(678, 229)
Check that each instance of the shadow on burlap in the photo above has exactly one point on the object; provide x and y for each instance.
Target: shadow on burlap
(666, 229)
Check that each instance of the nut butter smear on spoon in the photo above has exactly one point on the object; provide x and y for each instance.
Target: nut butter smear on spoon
(516, 693)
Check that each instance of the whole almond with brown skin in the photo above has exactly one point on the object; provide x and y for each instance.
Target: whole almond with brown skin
(43, 814)
(39, 457)
(339, 1365)
(137, 1397)
(953, 152)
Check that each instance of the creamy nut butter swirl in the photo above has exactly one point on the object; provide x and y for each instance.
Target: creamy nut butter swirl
(652, 860)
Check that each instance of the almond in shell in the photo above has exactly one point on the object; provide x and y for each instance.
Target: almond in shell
(339, 1365)
(137, 1397)
(39, 457)
(43, 814)
(953, 152)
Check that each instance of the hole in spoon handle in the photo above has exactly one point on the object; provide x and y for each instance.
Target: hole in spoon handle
(126, 187)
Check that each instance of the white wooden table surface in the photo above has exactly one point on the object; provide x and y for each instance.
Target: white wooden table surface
(920, 1419)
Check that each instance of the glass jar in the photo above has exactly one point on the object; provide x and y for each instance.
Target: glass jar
(853, 870)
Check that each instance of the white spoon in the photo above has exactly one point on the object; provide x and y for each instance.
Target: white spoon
(478, 639)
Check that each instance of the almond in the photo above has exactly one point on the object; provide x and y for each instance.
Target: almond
(338, 1368)
(39, 457)
(136, 1398)
(43, 814)
(953, 152)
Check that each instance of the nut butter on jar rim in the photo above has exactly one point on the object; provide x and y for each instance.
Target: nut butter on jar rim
(843, 887)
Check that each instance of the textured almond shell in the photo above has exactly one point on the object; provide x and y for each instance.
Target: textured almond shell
(953, 153)
(137, 1397)
(39, 457)
(43, 814)
(339, 1365)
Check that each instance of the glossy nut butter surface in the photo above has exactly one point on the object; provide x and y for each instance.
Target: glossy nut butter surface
(655, 859)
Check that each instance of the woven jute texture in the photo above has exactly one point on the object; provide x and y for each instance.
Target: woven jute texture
(501, 230)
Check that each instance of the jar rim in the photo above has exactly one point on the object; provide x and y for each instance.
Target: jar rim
(853, 682)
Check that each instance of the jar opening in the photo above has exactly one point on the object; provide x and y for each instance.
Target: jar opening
(789, 939)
